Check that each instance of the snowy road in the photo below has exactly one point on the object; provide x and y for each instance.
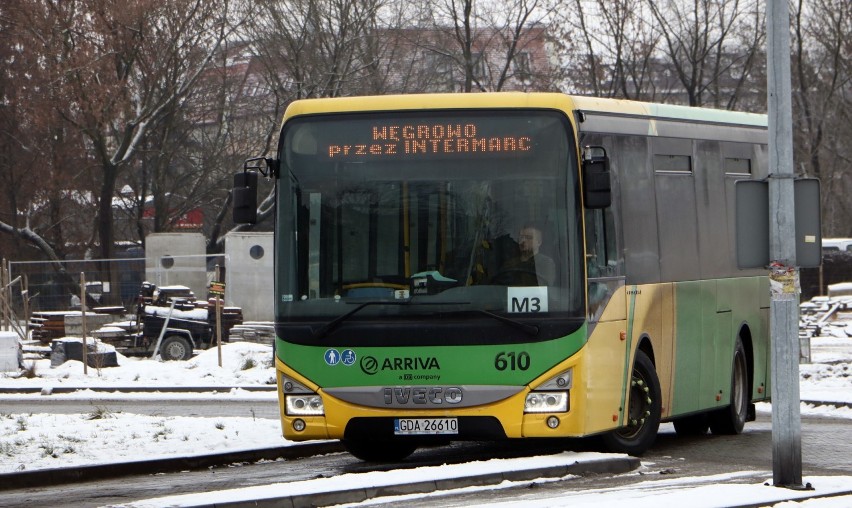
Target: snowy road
(826, 443)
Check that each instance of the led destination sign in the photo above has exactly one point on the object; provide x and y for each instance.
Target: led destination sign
(419, 140)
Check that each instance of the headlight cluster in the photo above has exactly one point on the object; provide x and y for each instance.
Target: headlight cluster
(304, 405)
(299, 400)
(551, 396)
(546, 402)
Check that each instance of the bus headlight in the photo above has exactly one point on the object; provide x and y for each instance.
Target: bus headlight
(546, 402)
(304, 405)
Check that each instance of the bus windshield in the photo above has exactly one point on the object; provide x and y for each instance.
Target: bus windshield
(414, 218)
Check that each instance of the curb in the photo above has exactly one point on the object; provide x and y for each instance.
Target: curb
(797, 500)
(58, 476)
(614, 465)
(827, 403)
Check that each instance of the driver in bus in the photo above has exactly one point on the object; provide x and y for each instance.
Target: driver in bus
(530, 267)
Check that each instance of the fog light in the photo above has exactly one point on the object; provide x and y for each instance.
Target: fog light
(298, 425)
(546, 402)
(552, 422)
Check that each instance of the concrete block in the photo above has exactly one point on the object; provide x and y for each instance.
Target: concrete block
(63, 350)
(10, 352)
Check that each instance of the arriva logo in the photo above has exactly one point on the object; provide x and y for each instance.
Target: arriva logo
(422, 395)
(408, 363)
(370, 365)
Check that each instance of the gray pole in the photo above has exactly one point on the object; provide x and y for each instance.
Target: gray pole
(784, 275)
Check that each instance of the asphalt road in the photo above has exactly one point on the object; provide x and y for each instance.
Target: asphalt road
(826, 448)
(826, 445)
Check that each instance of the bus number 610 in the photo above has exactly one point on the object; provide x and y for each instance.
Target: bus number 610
(511, 361)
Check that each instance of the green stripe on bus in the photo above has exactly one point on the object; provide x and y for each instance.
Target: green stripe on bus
(627, 367)
(496, 364)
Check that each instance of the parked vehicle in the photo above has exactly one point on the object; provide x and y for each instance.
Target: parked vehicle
(837, 244)
(171, 318)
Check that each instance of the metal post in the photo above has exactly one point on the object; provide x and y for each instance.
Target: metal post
(218, 319)
(3, 319)
(83, 322)
(7, 294)
(784, 275)
(163, 330)
(25, 300)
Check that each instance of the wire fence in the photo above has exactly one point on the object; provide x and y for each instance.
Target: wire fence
(41, 286)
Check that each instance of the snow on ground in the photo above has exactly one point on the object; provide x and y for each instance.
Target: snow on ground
(715, 491)
(40, 441)
(243, 363)
(97, 436)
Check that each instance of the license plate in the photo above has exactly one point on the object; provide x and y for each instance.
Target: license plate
(413, 426)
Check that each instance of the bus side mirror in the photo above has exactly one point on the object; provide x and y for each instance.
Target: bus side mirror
(245, 197)
(597, 190)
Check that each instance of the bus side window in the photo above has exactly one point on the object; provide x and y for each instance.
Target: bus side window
(601, 258)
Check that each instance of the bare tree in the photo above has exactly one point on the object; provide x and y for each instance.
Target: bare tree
(701, 45)
(822, 70)
(491, 43)
(115, 70)
(309, 48)
(44, 167)
(236, 114)
(617, 56)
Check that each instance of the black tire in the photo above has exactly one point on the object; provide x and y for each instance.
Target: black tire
(731, 419)
(692, 425)
(379, 450)
(643, 411)
(174, 348)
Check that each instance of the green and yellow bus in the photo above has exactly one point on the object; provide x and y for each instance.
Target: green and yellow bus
(511, 265)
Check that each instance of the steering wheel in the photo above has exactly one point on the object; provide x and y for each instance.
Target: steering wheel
(512, 276)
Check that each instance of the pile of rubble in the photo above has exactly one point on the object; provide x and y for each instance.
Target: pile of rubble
(260, 332)
(829, 316)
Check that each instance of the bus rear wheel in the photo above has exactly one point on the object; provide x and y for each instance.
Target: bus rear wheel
(692, 425)
(385, 450)
(643, 411)
(731, 420)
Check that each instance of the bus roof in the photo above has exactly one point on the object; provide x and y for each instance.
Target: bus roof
(668, 111)
(413, 102)
(545, 100)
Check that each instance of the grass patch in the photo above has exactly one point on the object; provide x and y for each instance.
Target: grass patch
(48, 447)
(100, 413)
(163, 433)
(29, 371)
(8, 449)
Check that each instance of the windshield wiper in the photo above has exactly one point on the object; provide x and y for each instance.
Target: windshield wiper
(334, 323)
(331, 325)
(528, 329)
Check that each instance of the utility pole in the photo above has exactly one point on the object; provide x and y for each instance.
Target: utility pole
(784, 275)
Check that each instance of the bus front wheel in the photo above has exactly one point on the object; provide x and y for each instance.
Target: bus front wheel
(370, 450)
(643, 411)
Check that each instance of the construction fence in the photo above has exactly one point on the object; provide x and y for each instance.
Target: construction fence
(41, 286)
(114, 284)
